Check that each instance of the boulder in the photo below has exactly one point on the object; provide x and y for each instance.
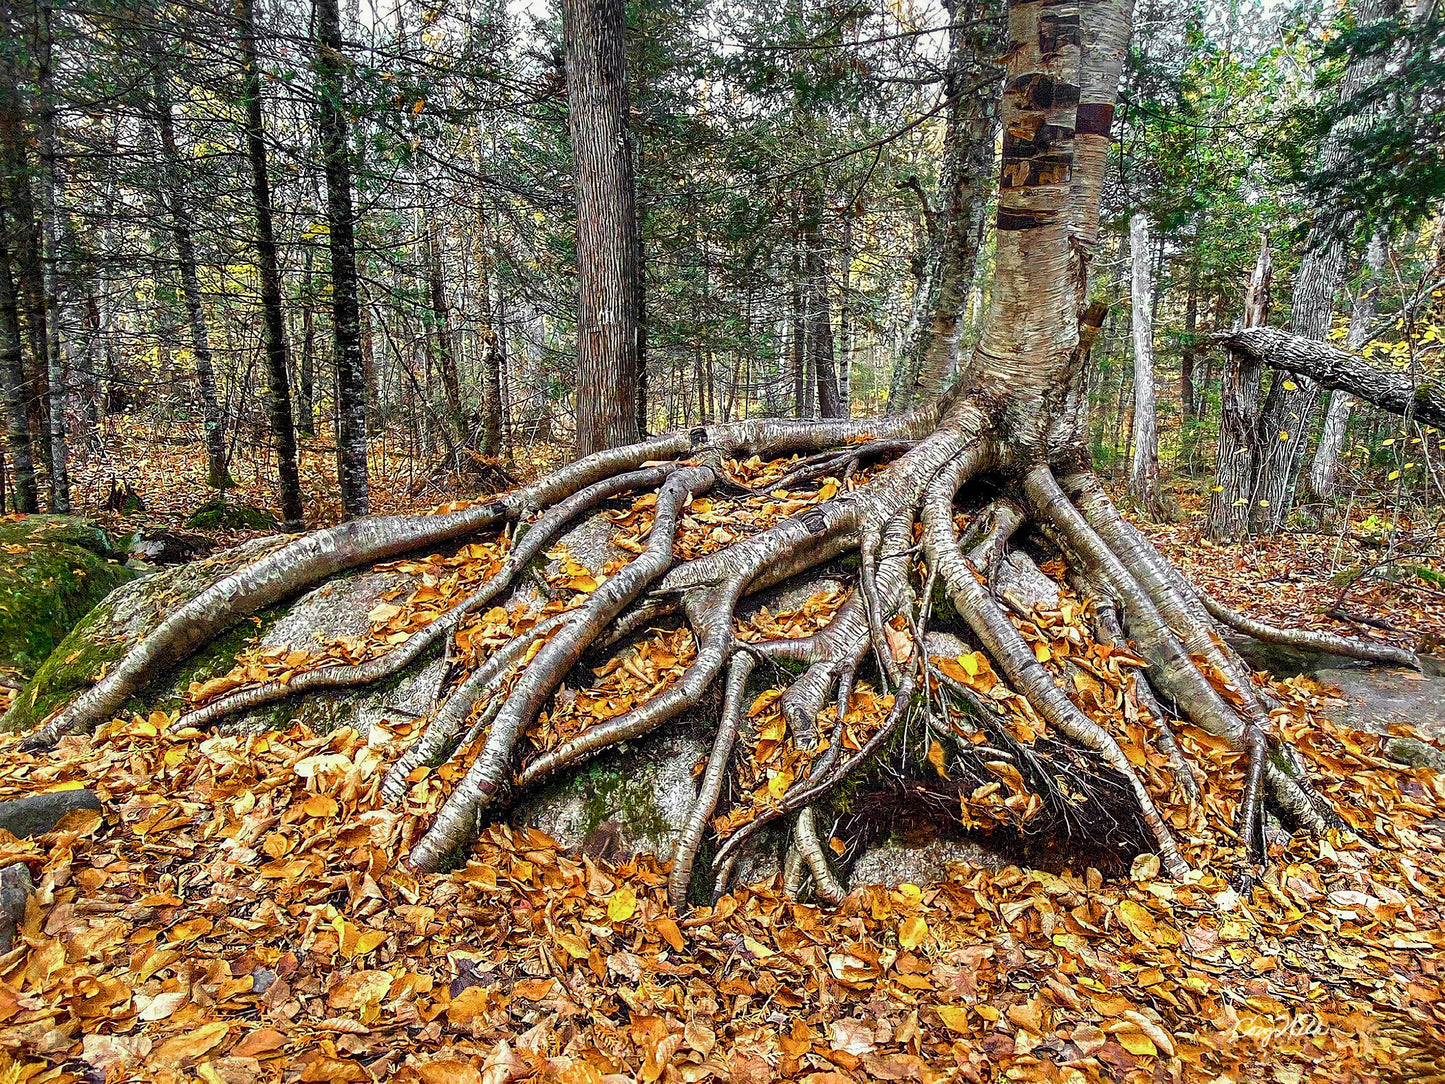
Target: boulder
(15, 889)
(36, 814)
(53, 570)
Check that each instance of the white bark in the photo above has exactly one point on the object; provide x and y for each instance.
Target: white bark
(1144, 469)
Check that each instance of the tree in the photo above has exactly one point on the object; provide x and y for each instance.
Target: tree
(331, 105)
(17, 386)
(172, 192)
(1004, 446)
(278, 389)
(1290, 405)
(1144, 469)
(608, 275)
(956, 227)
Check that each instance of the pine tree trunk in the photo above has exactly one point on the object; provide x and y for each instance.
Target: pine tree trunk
(1239, 415)
(820, 311)
(1337, 416)
(607, 239)
(332, 105)
(446, 353)
(800, 334)
(1144, 467)
(306, 385)
(283, 435)
(50, 237)
(182, 236)
(1190, 348)
(17, 388)
(972, 80)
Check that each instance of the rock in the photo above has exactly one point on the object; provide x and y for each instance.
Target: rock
(36, 814)
(630, 801)
(1376, 697)
(1415, 753)
(15, 889)
(221, 514)
(899, 862)
(53, 570)
(160, 546)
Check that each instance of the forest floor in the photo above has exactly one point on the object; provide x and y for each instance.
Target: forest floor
(239, 914)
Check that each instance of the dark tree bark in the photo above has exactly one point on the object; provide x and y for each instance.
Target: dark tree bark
(16, 384)
(607, 250)
(306, 384)
(50, 183)
(1190, 348)
(820, 310)
(178, 216)
(351, 395)
(446, 354)
(798, 318)
(1239, 432)
(972, 81)
(23, 240)
(278, 389)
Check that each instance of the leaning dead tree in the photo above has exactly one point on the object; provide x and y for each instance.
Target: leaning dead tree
(930, 511)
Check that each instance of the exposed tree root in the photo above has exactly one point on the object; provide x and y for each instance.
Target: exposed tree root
(1326, 642)
(901, 526)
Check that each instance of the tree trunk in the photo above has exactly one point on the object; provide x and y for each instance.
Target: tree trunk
(446, 354)
(332, 107)
(306, 385)
(1144, 467)
(607, 239)
(50, 184)
(23, 242)
(283, 435)
(1338, 370)
(1239, 415)
(17, 386)
(971, 80)
(820, 311)
(1289, 411)
(1190, 348)
(178, 216)
(798, 313)
(1337, 415)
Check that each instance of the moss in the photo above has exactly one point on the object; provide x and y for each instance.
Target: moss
(53, 571)
(223, 514)
(626, 796)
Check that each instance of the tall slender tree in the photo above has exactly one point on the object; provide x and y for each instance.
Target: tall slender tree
(1144, 467)
(278, 390)
(351, 411)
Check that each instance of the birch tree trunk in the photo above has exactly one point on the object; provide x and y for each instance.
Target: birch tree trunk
(1239, 415)
(1337, 416)
(607, 239)
(306, 384)
(1144, 467)
(351, 395)
(278, 389)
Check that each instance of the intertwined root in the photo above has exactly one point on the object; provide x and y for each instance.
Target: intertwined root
(901, 523)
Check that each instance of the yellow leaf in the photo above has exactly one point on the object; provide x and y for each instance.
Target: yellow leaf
(936, 758)
(969, 663)
(1042, 652)
(1138, 1044)
(1290, 385)
(622, 904)
(912, 931)
(954, 1018)
(779, 783)
(1283, 435)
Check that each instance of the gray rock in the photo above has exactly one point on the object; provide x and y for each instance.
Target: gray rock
(1415, 753)
(36, 814)
(1376, 697)
(897, 862)
(15, 889)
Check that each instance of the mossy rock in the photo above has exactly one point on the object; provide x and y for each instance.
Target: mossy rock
(221, 514)
(53, 571)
